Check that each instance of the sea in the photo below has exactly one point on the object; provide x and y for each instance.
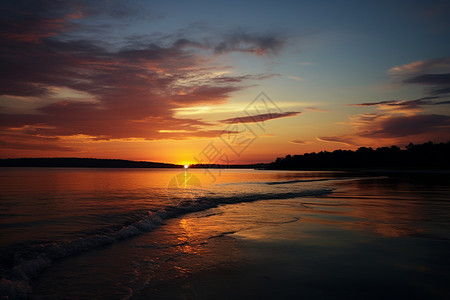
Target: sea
(87, 233)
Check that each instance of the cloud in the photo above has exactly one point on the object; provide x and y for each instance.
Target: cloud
(440, 83)
(346, 140)
(127, 92)
(375, 129)
(238, 41)
(438, 65)
(431, 79)
(433, 73)
(41, 19)
(227, 79)
(404, 121)
(14, 140)
(260, 117)
(397, 103)
(241, 41)
(401, 126)
(300, 142)
(204, 94)
(402, 106)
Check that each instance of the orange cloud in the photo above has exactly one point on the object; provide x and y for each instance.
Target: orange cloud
(131, 93)
(438, 65)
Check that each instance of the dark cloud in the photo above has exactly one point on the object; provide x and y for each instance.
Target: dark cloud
(258, 44)
(431, 79)
(238, 41)
(403, 121)
(440, 91)
(37, 146)
(385, 129)
(260, 118)
(433, 73)
(401, 126)
(403, 106)
(440, 83)
(32, 21)
(417, 102)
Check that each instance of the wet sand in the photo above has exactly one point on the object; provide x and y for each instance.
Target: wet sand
(296, 256)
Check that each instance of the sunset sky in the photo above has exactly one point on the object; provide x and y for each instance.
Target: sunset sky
(220, 81)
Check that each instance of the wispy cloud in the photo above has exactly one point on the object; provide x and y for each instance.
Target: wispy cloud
(260, 118)
(437, 65)
(299, 142)
(342, 139)
(296, 78)
(402, 106)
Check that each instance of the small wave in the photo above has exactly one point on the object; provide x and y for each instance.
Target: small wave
(210, 215)
(15, 283)
(221, 234)
(296, 181)
(293, 220)
(310, 204)
(324, 179)
(275, 182)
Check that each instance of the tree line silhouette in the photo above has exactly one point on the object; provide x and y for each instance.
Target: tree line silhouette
(427, 155)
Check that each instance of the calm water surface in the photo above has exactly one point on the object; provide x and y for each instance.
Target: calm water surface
(171, 234)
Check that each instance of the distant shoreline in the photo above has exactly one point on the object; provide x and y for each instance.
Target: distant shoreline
(74, 162)
(81, 163)
(427, 157)
(123, 164)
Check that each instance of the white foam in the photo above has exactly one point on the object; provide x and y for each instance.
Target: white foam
(16, 283)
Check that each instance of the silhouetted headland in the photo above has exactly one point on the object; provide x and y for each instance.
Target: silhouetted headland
(82, 163)
(419, 157)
